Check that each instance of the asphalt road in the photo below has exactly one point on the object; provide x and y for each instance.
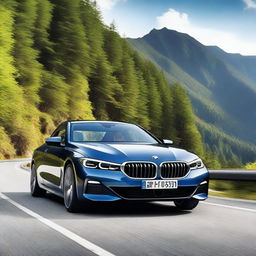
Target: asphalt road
(41, 226)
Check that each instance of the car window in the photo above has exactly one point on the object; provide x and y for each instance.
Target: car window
(109, 132)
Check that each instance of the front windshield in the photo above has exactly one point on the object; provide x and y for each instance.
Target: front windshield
(109, 132)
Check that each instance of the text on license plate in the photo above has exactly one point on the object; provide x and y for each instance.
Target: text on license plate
(159, 184)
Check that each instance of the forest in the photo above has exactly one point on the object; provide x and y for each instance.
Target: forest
(59, 61)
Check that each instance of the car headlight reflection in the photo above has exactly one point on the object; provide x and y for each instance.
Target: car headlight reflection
(98, 164)
(196, 164)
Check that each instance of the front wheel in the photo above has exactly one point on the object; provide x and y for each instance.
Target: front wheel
(35, 190)
(70, 197)
(186, 204)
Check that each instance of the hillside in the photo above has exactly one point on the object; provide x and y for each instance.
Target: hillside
(58, 61)
(221, 86)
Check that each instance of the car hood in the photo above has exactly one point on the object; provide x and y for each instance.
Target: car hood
(119, 153)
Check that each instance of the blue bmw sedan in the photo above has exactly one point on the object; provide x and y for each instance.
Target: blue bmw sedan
(107, 161)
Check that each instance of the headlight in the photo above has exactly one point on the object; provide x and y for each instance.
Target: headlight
(196, 164)
(98, 164)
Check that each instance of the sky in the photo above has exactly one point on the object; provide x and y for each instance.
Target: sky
(229, 24)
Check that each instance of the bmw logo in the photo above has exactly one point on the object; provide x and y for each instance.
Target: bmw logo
(155, 157)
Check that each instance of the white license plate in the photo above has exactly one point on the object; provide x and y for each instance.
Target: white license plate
(160, 184)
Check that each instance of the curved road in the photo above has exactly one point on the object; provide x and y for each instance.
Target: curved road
(41, 226)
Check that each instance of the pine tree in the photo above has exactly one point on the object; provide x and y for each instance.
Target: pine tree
(104, 91)
(71, 58)
(53, 90)
(127, 78)
(93, 28)
(11, 96)
(167, 114)
(41, 32)
(18, 122)
(29, 69)
(104, 88)
(113, 49)
(210, 158)
(188, 136)
(155, 103)
(53, 94)
(143, 100)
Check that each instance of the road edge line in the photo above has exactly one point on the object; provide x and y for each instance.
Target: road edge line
(65, 232)
(233, 199)
(230, 206)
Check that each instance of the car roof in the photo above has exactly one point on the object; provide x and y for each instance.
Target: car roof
(95, 121)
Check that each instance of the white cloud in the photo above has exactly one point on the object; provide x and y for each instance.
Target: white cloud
(106, 4)
(174, 19)
(250, 3)
(229, 42)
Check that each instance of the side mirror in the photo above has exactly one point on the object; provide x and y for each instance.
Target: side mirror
(53, 140)
(167, 142)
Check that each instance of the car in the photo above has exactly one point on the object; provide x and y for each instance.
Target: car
(87, 161)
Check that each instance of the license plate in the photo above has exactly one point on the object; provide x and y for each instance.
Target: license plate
(159, 184)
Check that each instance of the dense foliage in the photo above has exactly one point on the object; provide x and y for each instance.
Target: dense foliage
(251, 166)
(59, 61)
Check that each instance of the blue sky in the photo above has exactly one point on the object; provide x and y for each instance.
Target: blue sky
(229, 24)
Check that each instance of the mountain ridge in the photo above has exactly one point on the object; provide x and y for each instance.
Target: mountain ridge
(221, 86)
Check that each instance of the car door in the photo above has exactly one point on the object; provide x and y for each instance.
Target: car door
(54, 157)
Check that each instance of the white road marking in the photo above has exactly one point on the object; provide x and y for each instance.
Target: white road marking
(234, 199)
(67, 233)
(232, 207)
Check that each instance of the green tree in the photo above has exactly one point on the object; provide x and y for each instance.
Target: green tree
(93, 29)
(11, 96)
(143, 98)
(188, 136)
(104, 91)
(210, 158)
(18, 117)
(71, 58)
(41, 32)
(28, 68)
(127, 78)
(155, 103)
(53, 90)
(167, 112)
(113, 49)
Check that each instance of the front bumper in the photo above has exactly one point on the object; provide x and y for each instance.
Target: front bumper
(105, 185)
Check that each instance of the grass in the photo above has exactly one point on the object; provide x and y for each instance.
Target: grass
(26, 165)
(233, 189)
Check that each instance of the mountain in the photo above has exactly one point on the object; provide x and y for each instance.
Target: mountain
(221, 86)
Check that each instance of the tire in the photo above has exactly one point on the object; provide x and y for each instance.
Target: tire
(70, 196)
(35, 190)
(186, 204)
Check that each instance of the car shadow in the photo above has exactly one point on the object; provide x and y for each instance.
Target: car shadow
(52, 206)
(125, 208)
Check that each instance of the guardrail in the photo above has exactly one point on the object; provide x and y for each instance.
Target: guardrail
(233, 175)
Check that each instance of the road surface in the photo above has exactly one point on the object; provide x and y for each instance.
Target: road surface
(41, 226)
